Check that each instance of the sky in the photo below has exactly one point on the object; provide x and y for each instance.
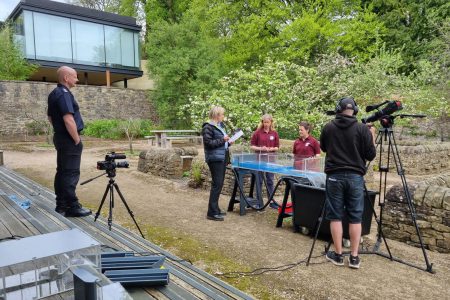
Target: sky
(7, 6)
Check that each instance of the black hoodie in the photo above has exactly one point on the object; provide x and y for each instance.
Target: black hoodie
(348, 145)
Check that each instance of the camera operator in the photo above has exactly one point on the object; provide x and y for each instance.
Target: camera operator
(348, 145)
(64, 115)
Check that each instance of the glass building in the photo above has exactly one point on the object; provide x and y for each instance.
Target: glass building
(102, 47)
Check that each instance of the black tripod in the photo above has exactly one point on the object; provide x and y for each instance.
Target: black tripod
(111, 173)
(388, 134)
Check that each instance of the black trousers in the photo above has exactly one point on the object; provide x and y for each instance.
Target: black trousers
(217, 169)
(68, 160)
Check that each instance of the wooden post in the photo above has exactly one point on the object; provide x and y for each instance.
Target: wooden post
(1, 157)
(85, 78)
(108, 78)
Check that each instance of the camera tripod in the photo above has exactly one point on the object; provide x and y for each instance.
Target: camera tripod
(110, 189)
(388, 134)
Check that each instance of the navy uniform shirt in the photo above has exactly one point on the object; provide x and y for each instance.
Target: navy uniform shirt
(61, 102)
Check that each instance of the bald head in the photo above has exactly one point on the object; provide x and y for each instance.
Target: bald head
(67, 76)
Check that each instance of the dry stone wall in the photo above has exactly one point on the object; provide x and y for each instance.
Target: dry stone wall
(422, 159)
(431, 199)
(23, 101)
(166, 163)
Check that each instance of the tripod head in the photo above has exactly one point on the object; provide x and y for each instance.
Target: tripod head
(387, 121)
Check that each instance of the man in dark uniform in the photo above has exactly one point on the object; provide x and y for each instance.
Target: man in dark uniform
(64, 114)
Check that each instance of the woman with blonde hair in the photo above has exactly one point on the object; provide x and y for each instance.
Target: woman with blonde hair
(215, 143)
(266, 140)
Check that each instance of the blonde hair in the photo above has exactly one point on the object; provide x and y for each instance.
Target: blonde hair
(267, 117)
(215, 112)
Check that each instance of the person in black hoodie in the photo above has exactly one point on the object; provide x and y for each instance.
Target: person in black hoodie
(215, 143)
(348, 146)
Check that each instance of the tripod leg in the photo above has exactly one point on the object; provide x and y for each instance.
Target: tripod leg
(412, 210)
(128, 209)
(111, 205)
(318, 224)
(101, 203)
(380, 231)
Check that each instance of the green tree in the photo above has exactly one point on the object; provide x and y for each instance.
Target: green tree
(181, 60)
(413, 25)
(131, 128)
(13, 66)
(111, 6)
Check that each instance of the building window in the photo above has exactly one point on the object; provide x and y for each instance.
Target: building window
(120, 47)
(88, 43)
(137, 49)
(52, 38)
(23, 34)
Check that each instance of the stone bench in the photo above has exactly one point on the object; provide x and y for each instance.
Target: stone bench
(150, 139)
(196, 139)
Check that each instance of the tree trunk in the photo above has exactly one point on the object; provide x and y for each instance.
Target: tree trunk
(130, 142)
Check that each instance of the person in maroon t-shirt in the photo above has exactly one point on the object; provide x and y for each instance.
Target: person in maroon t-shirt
(305, 146)
(265, 140)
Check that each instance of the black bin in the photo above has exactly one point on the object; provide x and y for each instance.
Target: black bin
(307, 206)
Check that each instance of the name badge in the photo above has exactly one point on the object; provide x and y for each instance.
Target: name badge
(271, 137)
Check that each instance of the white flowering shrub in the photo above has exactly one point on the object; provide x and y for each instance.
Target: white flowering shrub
(293, 93)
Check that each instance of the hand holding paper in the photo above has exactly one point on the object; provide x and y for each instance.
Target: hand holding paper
(236, 135)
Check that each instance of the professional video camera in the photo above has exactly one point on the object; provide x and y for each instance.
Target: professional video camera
(109, 163)
(382, 114)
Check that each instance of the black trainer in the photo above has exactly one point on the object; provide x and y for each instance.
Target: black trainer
(353, 262)
(335, 258)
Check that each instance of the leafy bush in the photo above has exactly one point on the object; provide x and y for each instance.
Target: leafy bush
(285, 90)
(38, 127)
(105, 129)
(195, 175)
(114, 129)
(293, 93)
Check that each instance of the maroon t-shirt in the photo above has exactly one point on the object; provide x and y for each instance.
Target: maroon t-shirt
(261, 138)
(306, 148)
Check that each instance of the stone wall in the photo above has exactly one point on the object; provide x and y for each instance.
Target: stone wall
(166, 162)
(431, 199)
(23, 101)
(422, 159)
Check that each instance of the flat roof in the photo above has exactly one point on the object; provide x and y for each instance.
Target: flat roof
(75, 12)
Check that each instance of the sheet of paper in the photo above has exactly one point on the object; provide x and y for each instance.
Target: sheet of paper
(235, 136)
